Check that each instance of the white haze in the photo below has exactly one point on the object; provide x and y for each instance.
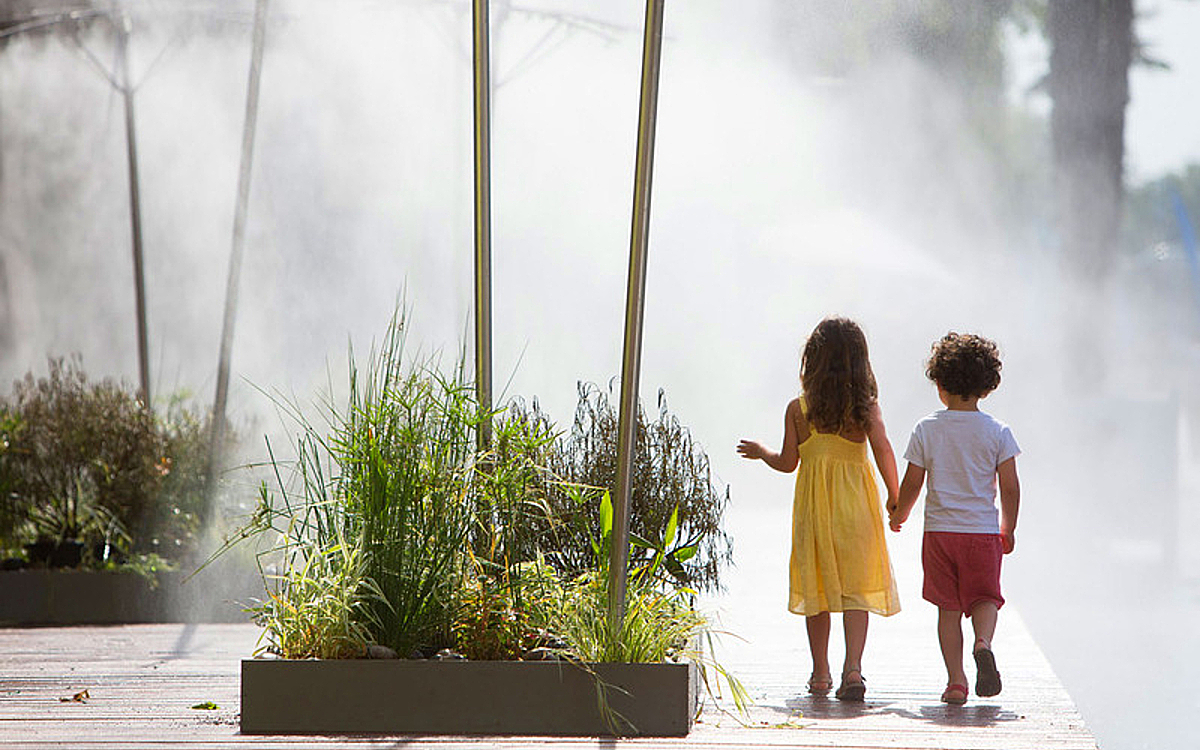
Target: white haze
(778, 199)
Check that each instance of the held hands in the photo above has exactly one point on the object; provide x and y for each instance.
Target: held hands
(896, 519)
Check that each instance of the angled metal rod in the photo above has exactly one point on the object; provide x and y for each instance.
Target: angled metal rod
(135, 210)
(634, 306)
(235, 254)
(481, 57)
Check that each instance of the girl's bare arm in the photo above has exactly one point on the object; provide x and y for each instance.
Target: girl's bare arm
(789, 455)
(910, 488)
(885, 458)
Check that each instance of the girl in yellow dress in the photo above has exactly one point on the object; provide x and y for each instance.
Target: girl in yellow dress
(839, 559)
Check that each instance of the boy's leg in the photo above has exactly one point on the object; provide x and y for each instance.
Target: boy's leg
(950, 638)
(983, 618)
(980, 588)
(940, 559)
(987, 677)
(818, 645)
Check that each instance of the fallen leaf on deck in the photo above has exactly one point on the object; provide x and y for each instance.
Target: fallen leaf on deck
(206, 706)
(80, 697)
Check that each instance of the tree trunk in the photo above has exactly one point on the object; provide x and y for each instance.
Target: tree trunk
(1091, 47)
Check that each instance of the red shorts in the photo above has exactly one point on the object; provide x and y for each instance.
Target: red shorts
(961, 570)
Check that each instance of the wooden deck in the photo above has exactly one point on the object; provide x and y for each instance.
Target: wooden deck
(141, 682)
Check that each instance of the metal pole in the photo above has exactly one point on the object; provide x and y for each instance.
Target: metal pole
(634, 307)
(135, 210)
(483, 218)
(239, 241)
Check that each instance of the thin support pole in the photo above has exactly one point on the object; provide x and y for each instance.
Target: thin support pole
(239, 241)
(481, 55)
(135, 211)
(634, 306)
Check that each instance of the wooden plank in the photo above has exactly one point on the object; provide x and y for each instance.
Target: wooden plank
(143, 679)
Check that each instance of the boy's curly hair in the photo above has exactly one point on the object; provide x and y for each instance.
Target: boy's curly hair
(835, 373)
(965, 365)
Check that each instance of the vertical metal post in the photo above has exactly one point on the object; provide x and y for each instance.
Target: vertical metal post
(135, 210)
(239, 240)
(483, 217)
(634, 307)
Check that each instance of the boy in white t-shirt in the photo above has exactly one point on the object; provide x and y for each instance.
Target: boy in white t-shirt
(965, 452)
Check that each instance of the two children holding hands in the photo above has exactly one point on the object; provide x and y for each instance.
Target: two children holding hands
(839, 559)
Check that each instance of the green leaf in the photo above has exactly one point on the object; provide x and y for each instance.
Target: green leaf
(672, 528)
(674, 568)
(206, 706)
(683, 554)
(606, 514)
(641, 542)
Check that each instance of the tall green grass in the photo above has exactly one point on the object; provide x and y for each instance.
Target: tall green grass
(405, 446)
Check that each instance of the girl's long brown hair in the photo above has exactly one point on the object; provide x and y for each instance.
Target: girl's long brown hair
(835, 372)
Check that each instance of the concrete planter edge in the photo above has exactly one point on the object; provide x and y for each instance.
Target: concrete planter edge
(402, 696)
(102, 597)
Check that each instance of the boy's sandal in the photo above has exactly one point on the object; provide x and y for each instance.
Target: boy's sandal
(987, 677)
(955, 694)
(820, 685)
(852, 690)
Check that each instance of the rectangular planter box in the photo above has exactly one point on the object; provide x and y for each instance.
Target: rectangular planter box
(95, 597)
(465, 697)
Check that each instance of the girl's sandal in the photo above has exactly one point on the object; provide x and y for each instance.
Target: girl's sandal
(820, 685)
(852, 690)
(955, 694)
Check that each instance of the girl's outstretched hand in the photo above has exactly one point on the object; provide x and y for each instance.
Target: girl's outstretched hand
(750, 449)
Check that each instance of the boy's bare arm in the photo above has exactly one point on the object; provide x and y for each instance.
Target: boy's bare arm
(789, 455)
(885, 457)
(910, 489)
(1010, 502)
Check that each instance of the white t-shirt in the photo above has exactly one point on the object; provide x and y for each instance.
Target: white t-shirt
(960, 451)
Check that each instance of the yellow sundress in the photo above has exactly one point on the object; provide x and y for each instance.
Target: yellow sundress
(839, 554)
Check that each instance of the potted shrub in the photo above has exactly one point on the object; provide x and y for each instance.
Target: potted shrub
(389, 536)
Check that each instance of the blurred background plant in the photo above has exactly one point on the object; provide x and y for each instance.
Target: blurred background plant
(90, 476)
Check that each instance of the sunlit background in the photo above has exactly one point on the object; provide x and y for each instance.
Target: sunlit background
(889, 160)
